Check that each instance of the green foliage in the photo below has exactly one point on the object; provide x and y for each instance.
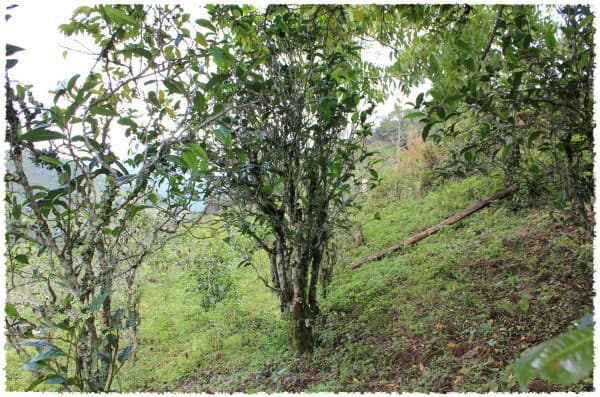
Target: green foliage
(242, 328)
(263, 113)
(41, 134)
(90, 220)
(510, 90)
(380, 322)
(212, 277)
(449, 276)
(565, 359)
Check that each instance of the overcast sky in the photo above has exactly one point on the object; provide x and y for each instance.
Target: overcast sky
(34, 27)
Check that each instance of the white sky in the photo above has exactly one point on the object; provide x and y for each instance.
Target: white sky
(34, 27)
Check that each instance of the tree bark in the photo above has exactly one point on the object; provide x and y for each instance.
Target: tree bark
(294, 293)
(300, 331)
(428, 232)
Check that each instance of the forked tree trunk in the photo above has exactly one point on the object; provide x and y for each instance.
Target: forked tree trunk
(297, 294)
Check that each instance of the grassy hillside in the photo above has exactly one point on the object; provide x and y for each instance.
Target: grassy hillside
(450, 313)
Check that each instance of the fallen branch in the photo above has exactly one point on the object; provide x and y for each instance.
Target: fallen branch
(448, 221)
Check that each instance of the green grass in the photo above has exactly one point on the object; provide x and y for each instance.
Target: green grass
(187, 337)
(451, 290)
(404, 323)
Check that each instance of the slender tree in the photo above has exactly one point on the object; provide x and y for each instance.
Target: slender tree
(75, 242)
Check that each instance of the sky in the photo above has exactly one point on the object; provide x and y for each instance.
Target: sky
(34, 27)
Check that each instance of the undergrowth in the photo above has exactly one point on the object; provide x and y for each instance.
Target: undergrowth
(451, 313)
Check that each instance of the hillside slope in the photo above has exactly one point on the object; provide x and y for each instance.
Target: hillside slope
(451, 313)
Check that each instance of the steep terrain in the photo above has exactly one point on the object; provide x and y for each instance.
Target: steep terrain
(451, 313)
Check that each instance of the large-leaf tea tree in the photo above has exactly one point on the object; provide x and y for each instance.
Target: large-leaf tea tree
(74, 248)
(284, 166)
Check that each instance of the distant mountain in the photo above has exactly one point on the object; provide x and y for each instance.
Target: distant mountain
(37, 175)
(48, 178)
(41, 176)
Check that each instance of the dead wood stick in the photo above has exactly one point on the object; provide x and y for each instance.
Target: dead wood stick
(428, 232)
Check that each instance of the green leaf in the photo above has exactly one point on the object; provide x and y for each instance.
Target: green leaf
(505, 151)
(72, 82)
(128, 122)
(419, 100)
(198, 151)
(36, 382)
(427, 130)
(39, 366)
(470, 64)
(414, 115)
(241, 155)
(584, 61)
(99, 300)
(550, 39)
(223, 135)
(206, 24)
(94, 143)
(55, 379)
(464, 46)
(118, 16)
(469, 156)
(104, 357)
(176, 160)
(199, 102)
(153, 197)
(11, 310)
(436, 94)
(173, 86)
(41, 135)
(200, 39)
(222, 57)
(125, 353)
(266, 189)
(22, 258)
(139, 50)
(190, 160)
(41, 346)
(11, 49)
(565, 359)
(48, 355)
(120, 166)
(103, 111)
(133, 210)
(377, 216)
(216, 80)
(50, 160)
(58, 116)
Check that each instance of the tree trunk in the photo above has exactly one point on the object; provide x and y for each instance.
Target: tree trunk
(294, 297)
(428, 232)
(300, 328)
(87, 358)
